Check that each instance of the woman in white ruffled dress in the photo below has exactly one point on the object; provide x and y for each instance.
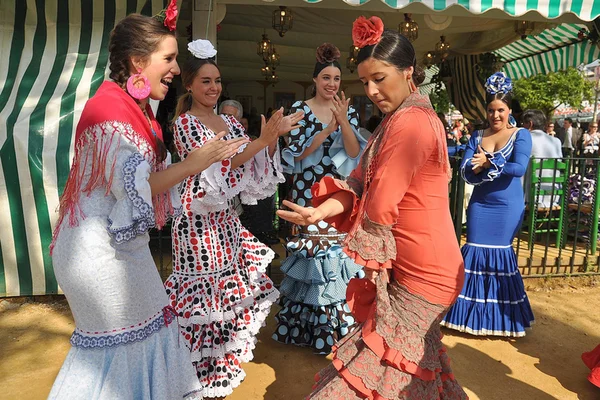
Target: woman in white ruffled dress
(126, 343)
(218, 286)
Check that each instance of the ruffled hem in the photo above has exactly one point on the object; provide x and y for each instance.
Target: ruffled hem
(592, 360)
(157, 367)
(402, 358)
(493, 299)
(208, 297)
(309, 326)
(318, 282)
(219, 377)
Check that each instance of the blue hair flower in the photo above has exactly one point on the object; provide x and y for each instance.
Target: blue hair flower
(498, 83)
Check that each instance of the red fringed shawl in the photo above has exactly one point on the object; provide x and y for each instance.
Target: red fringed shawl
(111, 105)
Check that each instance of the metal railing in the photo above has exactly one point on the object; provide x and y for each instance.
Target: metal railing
(562, 214)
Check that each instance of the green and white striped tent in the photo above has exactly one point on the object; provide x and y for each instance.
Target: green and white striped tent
(552, 50)
(53, 57)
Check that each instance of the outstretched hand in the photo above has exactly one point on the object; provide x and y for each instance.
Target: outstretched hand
(269, 131)
(300, 215)
(340, 108)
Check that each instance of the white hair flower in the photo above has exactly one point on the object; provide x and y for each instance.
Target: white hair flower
(202, 49)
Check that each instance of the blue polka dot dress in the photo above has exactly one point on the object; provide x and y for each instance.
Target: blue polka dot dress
(313, 304)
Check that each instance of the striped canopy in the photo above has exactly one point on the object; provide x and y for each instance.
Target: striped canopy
(54, 57)
(586, 10)
(553, 50)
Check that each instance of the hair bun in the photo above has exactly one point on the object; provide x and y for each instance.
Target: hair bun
(327, 53)
(418, 75)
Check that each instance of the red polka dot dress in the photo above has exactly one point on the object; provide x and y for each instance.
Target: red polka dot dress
(218, 285)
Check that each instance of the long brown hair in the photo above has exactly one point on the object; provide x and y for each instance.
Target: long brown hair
(188, 74)
(135, 36)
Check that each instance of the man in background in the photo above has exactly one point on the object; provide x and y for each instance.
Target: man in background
(233, 108)
(543, 146)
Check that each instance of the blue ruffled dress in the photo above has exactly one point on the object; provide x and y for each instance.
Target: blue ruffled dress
(314, 311)
(493, 299)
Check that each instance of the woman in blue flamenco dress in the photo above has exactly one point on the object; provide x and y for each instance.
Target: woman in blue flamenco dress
(313, 311)
(493, 299)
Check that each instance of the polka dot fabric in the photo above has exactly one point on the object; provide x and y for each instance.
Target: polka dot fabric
(218, 286)
(314, 312)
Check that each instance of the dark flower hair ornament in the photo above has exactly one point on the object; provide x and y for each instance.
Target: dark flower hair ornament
(168, 16)
(498, 83)
(327, 53)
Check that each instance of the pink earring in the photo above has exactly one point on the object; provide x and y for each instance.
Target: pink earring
(138, 86)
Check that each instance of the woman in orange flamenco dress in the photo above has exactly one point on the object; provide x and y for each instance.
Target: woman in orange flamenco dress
(395, 209)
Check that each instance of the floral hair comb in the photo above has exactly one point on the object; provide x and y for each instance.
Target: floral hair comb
(367, 32)
(168, 16)
(498, 83)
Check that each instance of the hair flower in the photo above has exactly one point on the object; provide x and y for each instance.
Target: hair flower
(498, 83)
(327, 53)
(366, 32)
(202, 49)
(168, 16)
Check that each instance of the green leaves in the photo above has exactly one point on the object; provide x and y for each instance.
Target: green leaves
(547, 91)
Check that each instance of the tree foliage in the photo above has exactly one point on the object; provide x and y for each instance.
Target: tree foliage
(547, 91)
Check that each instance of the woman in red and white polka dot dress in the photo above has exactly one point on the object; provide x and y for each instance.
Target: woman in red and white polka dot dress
(218, 285)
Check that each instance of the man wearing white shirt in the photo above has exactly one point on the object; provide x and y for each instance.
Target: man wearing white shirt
(567, 145)
(543, 146)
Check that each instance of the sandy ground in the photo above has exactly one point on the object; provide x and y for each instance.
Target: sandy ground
(545, 364)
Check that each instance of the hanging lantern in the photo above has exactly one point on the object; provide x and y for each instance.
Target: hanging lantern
(524, 28)
(265, 48)
(273, 78)
(351, 61)
(282, 20)
(266, 71)
(409, 28)
(442, 48)
(429, 59)
(274, 59)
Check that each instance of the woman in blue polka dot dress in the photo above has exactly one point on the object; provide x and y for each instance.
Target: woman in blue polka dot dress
(314, 311)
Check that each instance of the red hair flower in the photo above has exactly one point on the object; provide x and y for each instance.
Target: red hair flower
(171, 15)
(366, 32)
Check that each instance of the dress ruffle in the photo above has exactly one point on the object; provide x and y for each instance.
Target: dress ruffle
(493, 299)
(592, 360)
(130, 371)
(397, 354)
(344, 164)
(318, 327)
(221, 313)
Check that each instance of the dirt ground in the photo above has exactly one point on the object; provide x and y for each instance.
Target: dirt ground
(546, 364)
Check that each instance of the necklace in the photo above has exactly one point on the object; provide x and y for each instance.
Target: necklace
(149, 121)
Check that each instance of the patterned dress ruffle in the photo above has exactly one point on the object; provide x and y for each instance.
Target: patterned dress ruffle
(314, 311)
(397, 354)
(219, 286)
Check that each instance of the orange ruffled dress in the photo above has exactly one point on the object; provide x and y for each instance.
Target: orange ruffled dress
(400, 224)
(592, 360)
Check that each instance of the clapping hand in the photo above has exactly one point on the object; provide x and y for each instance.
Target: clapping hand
(340, 108)
(300, 215)
(212, 151)
(290, 122)
(270, 131)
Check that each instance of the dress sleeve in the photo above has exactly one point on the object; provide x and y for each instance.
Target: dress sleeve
(299, 140)
(132, 214)
(405, 150)
(213, 188)
(522, 153)
(344, 164)
(328, 186)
